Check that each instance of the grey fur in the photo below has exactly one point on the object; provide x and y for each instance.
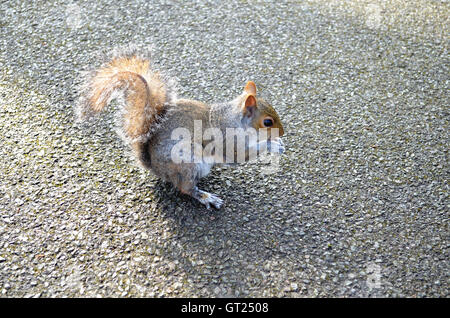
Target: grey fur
(153, 148)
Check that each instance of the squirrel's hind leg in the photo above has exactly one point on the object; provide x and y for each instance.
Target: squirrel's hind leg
(184, 178)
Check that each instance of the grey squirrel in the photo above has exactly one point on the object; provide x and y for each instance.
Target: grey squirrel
(151, 111)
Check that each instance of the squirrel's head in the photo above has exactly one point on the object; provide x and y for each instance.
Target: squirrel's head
(259, 112)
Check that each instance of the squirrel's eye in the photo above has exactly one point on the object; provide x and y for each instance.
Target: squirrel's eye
(268, 122)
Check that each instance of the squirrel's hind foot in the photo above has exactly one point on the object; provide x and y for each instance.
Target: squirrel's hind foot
(207, 199)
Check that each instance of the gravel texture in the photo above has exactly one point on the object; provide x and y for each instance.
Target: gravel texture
(359, 206)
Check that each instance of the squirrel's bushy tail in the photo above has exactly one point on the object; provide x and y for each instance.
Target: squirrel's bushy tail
(127, 74)
(145, 94)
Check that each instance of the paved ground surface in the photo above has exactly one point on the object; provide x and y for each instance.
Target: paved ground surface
(359, 207)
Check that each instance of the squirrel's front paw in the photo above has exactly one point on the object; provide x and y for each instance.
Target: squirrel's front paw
(275, 146)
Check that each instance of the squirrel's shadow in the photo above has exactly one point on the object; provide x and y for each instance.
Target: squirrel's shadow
(175, 205)
(234, 235)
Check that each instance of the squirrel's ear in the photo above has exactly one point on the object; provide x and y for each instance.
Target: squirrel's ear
(250, 88)
(249, 105)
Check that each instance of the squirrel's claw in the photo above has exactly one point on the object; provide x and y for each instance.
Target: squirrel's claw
(215, 200)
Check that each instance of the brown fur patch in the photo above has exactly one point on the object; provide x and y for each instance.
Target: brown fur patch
(144, 91)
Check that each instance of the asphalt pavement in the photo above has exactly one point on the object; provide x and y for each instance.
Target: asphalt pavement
(358, 206)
